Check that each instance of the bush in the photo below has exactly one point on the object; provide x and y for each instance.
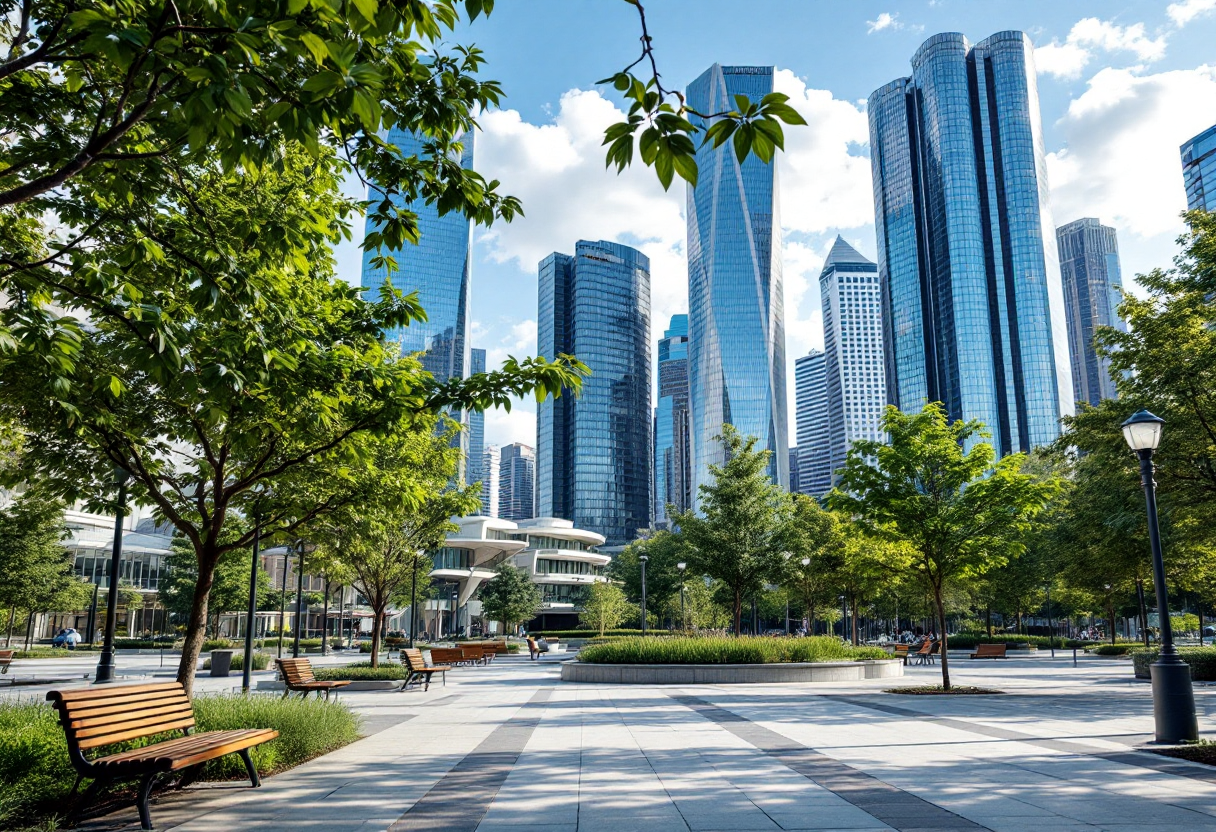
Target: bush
(721, 650)
(968, 641)
(362, 672)
(218, 644)
(260, 661)
(37, 776)
(1112, 649)
(53, 652)
(567, 634)
(512, 648)
(1201, 659)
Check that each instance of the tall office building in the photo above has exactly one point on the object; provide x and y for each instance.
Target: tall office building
(811, 416)
(973, 308)
(672, 462)
(795, 484)
(594, 452)
(852, 346)
(1089, 267)
(736, 315)
(1199, 170)
(517, 482)
(491, 466)
(477, 425)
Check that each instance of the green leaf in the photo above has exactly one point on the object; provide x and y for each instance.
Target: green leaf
(316, 46)
(743, 142)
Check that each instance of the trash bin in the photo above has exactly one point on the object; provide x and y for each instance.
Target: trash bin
(221, 662)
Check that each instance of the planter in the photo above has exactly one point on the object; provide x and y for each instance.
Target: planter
(730, 674)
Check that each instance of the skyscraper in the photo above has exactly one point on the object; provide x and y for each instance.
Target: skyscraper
(477, 425)
(517, 482)
(594, 452)
(811, 415)
(736, 315)
(973, 304)
(1089, 266)
(852, 339)
(795, 486)
(1199, 170)
(672, 463)
(491, 466)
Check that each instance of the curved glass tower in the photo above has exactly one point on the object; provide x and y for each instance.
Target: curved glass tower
(736, 313)
(593, 454)
(970, 277)
(671, 459)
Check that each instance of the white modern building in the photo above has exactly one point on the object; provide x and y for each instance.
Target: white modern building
(564, 561)
(468, 559)
(490, 489)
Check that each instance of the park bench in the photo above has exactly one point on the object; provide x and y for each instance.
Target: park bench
(474, 654)
(419, 670)
(298, 676)
(6, 659)
(96, 717)
(989, 651)
(926, 652)
(454, 656)
(901, 652)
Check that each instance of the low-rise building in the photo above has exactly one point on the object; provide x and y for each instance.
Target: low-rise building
(564, 561)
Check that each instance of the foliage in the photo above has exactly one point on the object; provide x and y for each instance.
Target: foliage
(54, 652)
(818, 537)
(261, 661)
(936, 493)
(510, 596)
(663, 550)
(1113, 649)
(1201, 659)
(35, 568)
(721, 650)
(229, 588)
(604, 607)
(363, 672)
(742, 529)
(587, 633)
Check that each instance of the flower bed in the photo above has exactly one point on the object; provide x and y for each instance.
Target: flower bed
(720, 650)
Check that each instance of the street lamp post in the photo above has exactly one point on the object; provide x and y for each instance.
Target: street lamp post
(642, 560)
(1051, 640)
(283, 598)
(105, 664)
(1173, 696)
(251, 612)
(683, 618)
(414, 601)
(325, 621)
(295, 646)
(844, 620)
(810, 625)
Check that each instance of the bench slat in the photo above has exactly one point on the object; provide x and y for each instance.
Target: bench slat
(110, 692)
(187, 751)
(92, 722)
(99, 709)
(134, 733)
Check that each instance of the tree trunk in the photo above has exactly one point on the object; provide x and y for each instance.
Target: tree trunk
(941, 623)
(379, 613)
(1110, 617)
(8, 639)
(988, 618)
(853, 617)
(196, 625)
(738, 613)
(29, 629)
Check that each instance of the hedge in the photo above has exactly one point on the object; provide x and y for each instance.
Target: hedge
(725, 650)
(362, 672)
(1201, 659)
(37, 776)
(260, 661)
(53, 652)
(1113, 649)
(968, 641)
(567, 634)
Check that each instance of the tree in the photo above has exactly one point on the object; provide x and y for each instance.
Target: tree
(229, 587)
(663, 551)
(510, 597)
(955, 512)
(818, 537)
(740, 538)
(604, 607)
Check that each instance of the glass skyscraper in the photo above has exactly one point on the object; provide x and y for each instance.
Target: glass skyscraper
(477, 425)
(972, 298)
(811, 416)
(1089, 266)
(594, 452)
(1199, 170)
(672, 462)
(736, 316)
(517, 482)
(490, 484)
(852, 345)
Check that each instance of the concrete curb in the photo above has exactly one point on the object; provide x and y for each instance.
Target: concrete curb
(730, 674)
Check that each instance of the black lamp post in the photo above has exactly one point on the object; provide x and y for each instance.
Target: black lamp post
(1173, 697)
(414, 601)
(295, 646)
(810, 625)
(642, 560)
(1051, 640)
(683, 618)
(325, 621)
(844, 620)
(251, 612)
(105, 663)
(283, 598)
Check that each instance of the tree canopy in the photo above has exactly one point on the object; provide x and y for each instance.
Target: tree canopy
(510, 596)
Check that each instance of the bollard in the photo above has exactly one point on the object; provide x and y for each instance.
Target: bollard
(1074, 657)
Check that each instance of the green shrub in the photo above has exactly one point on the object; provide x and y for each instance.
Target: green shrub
(260, 661)
(567, 634)
(722, 650)
(52, 652)
(37, 775)
(218, 644)
(1112, 649)
(1201, 659)
(512, 648)
(362, 672)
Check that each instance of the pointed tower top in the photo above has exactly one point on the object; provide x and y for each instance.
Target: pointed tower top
(842, 252)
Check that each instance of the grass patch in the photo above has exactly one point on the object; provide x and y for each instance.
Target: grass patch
(937, 690)
(54, 652)
(722, 650)
(37, 776)
(362, 672)
(260, 661)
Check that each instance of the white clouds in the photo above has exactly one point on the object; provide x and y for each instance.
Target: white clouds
(885, 20)
(1120, 162)
(1185, 11)
(1068, 59)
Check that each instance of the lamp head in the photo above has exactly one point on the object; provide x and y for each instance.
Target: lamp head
(681, 566)
(1143, 430)
(643, 558)
(806, 561)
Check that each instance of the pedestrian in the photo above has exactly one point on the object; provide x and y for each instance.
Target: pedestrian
(72, 638)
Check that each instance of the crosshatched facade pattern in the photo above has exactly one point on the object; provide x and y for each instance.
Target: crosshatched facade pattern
(1199, 170)
(811, 415)
(594, 451)
(477, 424)
(970, 280)
(672, 462)
(490, 486)
(735, 303)
(1093, 288)
(517, 482)
(853, 360)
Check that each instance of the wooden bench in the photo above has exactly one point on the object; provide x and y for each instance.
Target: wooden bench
(6, 659)
(454, 656)
(989, 651)
(901, 652)
(925, 654)
(298, 676)
(99, 716)
(418, 670)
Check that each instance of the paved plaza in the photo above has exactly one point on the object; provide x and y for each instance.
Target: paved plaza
(509, 747)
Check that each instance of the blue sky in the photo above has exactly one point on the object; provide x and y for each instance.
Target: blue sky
(1121, 85)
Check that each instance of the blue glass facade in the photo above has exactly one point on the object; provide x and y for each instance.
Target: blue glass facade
(811, 416)
(1093, 289)
(475, 468)
(517, 482)
(672, 462)
(1199, 170)
(973, 304)
(736, 310)
(594, 452)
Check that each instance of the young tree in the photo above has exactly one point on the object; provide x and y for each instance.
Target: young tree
(663, 551)
(510, 597)
(229, 587)
(604, 607)
(818, 537)
(957, 512)
(743, 530)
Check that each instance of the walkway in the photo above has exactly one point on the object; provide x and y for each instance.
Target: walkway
(511, 748)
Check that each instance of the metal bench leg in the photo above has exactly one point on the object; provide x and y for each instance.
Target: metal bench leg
(189, 775)
(286, 692)
(88, 798)
(141, 802)
(249, 767)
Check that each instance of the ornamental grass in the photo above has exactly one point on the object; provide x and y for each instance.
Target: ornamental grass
(725, 650)
(362, 672)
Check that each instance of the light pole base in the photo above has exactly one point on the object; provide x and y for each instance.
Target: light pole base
(1173, 702)
(105, 668)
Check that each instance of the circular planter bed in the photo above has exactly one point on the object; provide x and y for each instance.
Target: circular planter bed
(730, 674)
